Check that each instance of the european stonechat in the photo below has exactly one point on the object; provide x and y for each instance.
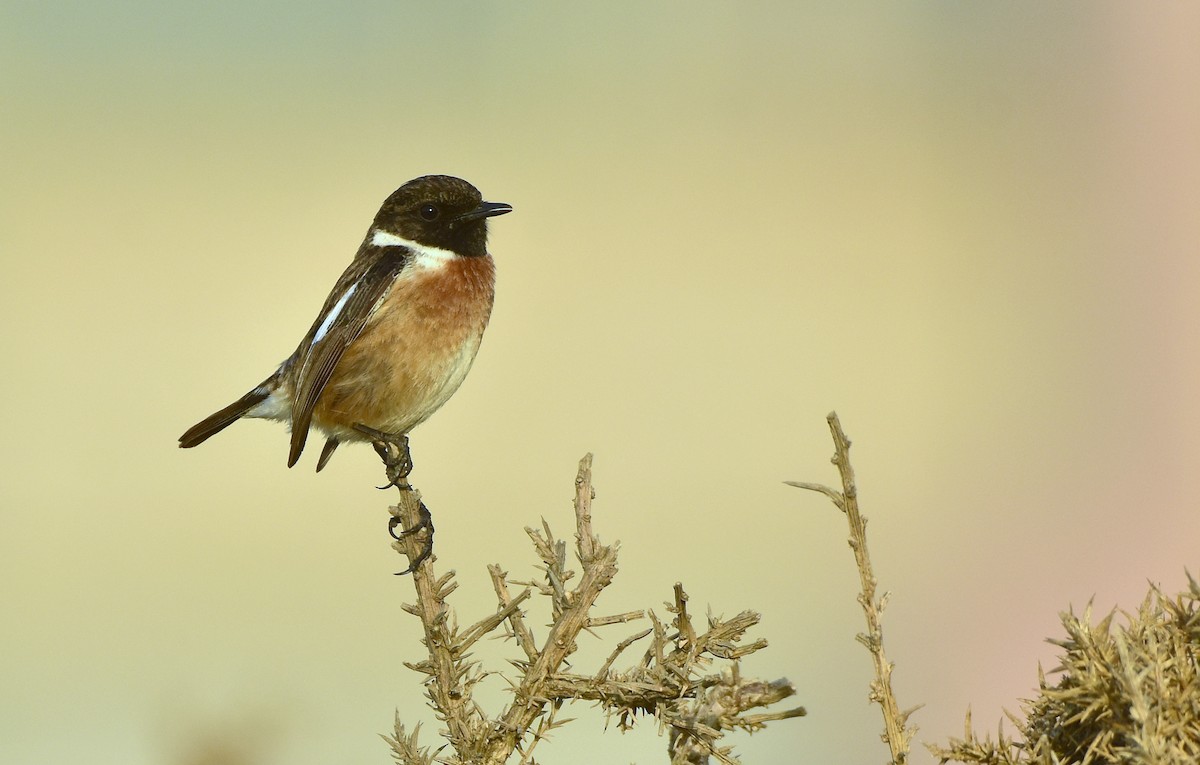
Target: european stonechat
(397, 334)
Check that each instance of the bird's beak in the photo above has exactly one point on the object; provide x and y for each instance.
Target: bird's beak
(486, 210)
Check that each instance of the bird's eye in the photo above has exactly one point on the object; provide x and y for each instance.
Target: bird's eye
(429, 212)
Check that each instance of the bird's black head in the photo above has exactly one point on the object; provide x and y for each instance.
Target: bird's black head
(440, 211)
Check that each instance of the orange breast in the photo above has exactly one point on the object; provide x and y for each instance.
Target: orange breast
(414, 352)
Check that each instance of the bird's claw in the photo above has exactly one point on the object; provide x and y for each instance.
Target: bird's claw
(424, 521)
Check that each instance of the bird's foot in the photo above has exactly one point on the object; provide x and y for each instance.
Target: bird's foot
(393, 449)
(424, 521)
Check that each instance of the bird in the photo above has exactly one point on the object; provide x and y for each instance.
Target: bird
(398, 332)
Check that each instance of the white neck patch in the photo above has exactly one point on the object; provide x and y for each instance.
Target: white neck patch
(426, 256)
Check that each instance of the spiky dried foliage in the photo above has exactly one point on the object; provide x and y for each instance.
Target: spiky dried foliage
(687, 679)
(1129, 693)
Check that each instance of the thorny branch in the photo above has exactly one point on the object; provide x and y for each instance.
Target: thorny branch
(674, 681)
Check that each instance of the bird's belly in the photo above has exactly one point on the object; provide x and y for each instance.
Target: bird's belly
(397, 373)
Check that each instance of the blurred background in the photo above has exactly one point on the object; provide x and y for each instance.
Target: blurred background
(971, 229)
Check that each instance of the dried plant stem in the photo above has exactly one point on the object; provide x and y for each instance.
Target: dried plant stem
(599, 564)
(897, 734)
(522, 634)
(449, 694)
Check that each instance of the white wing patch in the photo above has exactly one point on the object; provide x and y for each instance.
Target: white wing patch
(425, 256)
(333, 314)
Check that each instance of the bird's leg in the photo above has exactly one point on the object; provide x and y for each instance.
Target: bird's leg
(425, 521)
(393, 449)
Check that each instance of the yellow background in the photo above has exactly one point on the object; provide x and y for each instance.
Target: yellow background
(972, 229)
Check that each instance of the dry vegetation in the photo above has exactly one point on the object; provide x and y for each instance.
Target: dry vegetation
(1126, 693)
(1129, 692)
(687, 677)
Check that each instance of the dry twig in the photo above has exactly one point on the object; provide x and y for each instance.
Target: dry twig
(897, 733)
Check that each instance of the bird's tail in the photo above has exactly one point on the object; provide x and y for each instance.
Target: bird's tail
(219, 420)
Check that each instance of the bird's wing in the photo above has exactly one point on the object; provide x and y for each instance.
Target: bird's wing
(346, 312)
